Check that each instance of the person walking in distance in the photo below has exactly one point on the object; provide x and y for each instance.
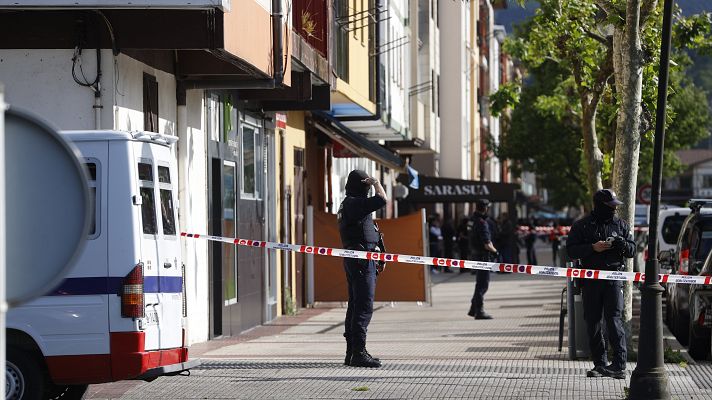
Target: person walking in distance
(530, 241)
(482, 249)
(463, 240)
(603, 241)
(359, 232)
(555, 239)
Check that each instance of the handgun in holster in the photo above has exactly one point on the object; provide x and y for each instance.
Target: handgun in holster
(381, 248)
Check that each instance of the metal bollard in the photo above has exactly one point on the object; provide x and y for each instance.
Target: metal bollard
(578, 338)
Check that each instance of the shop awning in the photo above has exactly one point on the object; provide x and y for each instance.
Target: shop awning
(446, 190)
(355, 142)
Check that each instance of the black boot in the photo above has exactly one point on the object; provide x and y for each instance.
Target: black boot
(472, 311)
(347, 360)
(363, 359)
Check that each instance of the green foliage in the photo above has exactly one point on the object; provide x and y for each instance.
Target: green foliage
(674, 356)
(564, 47)
(544, 142)
(507, 96)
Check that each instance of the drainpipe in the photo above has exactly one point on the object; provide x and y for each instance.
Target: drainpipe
(377, 76)
(97, 92)
(277, 44)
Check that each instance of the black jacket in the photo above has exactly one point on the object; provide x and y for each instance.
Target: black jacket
(587, 231)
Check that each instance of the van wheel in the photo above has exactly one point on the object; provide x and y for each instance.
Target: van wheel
(24, 376)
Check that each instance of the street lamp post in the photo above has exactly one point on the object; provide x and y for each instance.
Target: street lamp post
(649, 380)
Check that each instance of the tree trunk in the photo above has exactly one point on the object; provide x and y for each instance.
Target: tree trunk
(628, 70)
(592, 153)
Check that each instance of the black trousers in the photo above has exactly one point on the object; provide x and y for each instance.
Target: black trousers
(482, 280)
(361, 279)
(605, 299)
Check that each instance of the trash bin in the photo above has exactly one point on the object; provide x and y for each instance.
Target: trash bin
(578, 338)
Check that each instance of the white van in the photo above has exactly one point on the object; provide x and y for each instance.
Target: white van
(120, 312)
(670, 220)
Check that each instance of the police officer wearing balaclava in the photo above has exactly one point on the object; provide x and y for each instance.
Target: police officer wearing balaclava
(359, 232)
(602, 241)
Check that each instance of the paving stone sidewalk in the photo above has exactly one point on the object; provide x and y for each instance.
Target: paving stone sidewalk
(428, 352)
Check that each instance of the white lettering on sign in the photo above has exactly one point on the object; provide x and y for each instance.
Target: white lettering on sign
(450, 190)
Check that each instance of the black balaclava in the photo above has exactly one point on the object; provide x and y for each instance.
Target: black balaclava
(602, 212)
(354, 186)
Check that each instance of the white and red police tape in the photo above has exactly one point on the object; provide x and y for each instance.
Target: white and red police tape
(450, 262)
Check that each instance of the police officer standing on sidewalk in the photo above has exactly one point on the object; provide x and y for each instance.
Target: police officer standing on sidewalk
(602, 241)
(359, 232)
(481, 234)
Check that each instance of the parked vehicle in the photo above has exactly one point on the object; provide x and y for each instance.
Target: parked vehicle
(670, 220)
(701, 315)
(693, 246)
(641, 215)
(120, 313)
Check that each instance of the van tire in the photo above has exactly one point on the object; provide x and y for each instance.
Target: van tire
(27, 374)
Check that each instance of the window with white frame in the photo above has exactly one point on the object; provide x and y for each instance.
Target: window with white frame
(251, 158)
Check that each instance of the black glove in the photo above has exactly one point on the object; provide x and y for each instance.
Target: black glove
(618, 244)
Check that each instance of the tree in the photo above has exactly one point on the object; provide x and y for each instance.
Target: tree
(541, 136)
(592, 41)
(567, 32)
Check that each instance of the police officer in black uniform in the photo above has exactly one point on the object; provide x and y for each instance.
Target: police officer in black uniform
(602, 241)
(481, 233)
(358, 232)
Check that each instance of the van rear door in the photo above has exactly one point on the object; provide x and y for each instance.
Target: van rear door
(163, 285)
(149, 241)
(170, 267)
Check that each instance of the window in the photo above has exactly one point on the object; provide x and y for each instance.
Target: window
(248, 160)
(150, 103)
(707, 181)
(342, 39)
(148, 199)
(94, 211)
(167, 211)
(252, 166)
(671, 228)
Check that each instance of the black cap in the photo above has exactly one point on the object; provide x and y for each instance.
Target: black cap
(482, 203)
(607, 197)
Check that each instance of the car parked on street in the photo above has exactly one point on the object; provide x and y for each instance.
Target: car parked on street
(701, 315)
(670, 220)
(693, 246)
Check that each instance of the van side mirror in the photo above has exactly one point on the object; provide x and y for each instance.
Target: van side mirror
(665, 256)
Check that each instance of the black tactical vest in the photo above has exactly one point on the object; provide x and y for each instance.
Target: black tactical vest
(356, 234)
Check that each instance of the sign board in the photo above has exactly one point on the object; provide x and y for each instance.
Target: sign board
(644, 194)
(446, 190)
(47, 204)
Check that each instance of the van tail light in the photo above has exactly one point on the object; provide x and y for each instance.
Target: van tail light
(684, 262)
(645, 254)
(701, 318)
(132, 302)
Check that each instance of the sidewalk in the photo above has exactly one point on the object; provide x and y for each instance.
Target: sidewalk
(428, 353)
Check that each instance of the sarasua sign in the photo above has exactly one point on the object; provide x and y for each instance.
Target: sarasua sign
(445, 190)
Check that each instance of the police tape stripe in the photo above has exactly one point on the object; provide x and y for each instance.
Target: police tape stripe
(451, 262)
